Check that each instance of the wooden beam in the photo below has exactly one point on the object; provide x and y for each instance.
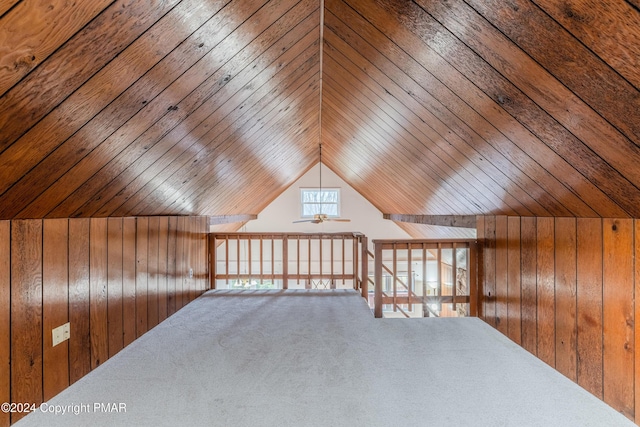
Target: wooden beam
(465, 221)
(228, 219)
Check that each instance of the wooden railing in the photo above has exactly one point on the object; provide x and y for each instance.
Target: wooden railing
(411, 278)
(289, 261)
(428, 274)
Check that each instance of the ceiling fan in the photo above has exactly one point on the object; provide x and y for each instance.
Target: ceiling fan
(319, 218)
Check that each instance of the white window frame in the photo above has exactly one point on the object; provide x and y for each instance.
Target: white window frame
(316, 189)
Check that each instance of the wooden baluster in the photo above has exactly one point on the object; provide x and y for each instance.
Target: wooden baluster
(377, 311)
(454, 275)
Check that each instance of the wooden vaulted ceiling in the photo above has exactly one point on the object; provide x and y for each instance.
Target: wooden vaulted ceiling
(214, 107)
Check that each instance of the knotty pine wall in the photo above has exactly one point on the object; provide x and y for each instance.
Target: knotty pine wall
(113, 279)
(563, 288)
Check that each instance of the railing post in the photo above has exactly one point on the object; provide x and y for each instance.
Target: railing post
(285, 262)
(212, 261)
(364, 285)
(377, 310)
(473, 279)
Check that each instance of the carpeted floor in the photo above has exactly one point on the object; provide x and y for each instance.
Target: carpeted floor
(319, 358)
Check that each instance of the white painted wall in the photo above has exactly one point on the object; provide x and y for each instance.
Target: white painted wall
(285, 209)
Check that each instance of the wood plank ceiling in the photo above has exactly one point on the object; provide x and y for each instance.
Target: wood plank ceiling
(454, 107)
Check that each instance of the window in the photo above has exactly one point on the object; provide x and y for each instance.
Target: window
(314, 202)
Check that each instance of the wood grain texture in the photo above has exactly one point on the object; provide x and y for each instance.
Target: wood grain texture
(181, 264)
(5, 315)
(566, 297)
(153, 273)
(572, 63)
(50, 24)
(115, 289)
(163, 268)
(55, 304)
(172, 264)
(528, 242)
(129, 280)
(545, 291)
(480, 234)
(142, 251)
(79, 305)
(514, 280)
(490, 270)
(636, 384)
(502, 275)
(26, 313)
(618, 25)
(589, 304)
(618, 317)
(98, 283)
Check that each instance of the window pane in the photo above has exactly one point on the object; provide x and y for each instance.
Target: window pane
(316, 202)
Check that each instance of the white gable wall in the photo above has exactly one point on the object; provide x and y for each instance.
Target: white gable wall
(365, 218)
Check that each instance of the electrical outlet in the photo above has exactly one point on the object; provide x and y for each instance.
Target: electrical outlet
(61, 333)
(191, 273)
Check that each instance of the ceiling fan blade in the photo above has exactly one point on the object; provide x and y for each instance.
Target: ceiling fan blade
(304, 220)
(339, 219)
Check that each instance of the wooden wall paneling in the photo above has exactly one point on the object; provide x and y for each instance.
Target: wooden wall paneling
(55, 304)
(546, 310)
(482, 56)
(142, 253)
(514, 280)
(208, 97)
(115, 284)
(50, 25)
(192, 257)
(80, 341)
(153, 273)
(618, 287)
(225, 101)
(129, 261)
(528, 242)
(480, 236)
(179, 77)
(204, 227)
(502, 275)
(5, 316)
(98, 282)
(88, 118)
(26, 313)
(589, 254)
(163, 241)
(172, 265)
(565, 293)
(490, 270)
(95, 46)
(636, 385)
(180, 263)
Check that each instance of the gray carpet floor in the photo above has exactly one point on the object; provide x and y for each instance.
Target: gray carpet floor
(319, 358)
